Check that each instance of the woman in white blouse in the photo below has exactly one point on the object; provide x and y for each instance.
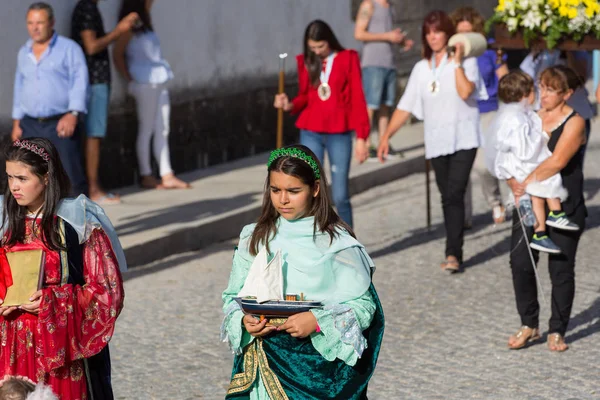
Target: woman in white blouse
(138, 57)
(442, 91)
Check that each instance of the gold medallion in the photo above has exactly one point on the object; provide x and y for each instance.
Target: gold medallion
(324, 91)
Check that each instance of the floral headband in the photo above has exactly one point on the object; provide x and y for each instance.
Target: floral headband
(26, 144)
(296, 153)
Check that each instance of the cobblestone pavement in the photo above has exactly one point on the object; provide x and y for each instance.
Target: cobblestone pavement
(445, 335)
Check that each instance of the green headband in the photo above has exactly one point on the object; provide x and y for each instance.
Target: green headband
(297, 153)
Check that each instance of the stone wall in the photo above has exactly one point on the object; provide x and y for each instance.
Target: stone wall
(409, 17)
(204, 132)
(213, 129)
(224, 55)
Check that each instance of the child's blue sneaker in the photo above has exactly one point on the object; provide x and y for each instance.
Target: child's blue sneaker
(560, 221)
(544, 243)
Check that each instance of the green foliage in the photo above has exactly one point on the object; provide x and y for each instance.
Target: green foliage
(548, 22)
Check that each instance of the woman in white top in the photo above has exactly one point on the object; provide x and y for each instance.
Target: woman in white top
(138, 58)
(442, 91)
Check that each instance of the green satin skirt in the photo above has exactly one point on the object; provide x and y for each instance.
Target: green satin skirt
(291, 368)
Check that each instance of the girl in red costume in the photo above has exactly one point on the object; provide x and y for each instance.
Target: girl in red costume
(61, 336)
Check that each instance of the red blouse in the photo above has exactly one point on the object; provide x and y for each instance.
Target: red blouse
(345, 110)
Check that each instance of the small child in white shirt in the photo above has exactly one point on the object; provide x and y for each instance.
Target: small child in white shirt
(516, 145)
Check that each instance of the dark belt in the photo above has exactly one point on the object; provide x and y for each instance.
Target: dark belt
(46, 119)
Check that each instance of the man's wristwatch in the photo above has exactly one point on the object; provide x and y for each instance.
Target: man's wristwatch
(75, 113)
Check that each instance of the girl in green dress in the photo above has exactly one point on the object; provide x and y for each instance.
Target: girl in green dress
(326, 353)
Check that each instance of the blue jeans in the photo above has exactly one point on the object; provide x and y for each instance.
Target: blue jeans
(339, 151)
(379, 85)
(97, 115)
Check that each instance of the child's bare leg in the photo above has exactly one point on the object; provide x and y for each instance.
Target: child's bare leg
(539, 210)
(554, 205)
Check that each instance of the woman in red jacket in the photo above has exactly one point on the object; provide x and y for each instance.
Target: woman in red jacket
(330, 105)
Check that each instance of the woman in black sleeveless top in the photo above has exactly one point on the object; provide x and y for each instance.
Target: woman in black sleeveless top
(567, 134)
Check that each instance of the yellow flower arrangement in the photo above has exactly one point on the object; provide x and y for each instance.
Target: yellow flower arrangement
(551, 20)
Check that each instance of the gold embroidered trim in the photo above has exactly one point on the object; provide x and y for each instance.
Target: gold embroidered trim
(242, 381)
(269, 378)
(255, 359)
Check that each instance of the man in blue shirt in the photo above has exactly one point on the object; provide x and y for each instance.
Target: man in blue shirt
(50, 91)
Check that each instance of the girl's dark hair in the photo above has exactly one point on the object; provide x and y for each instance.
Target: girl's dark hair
(138, 6)
(439, 21)
(326, 219)
(318, 31)
(561, 78)
(58, 187)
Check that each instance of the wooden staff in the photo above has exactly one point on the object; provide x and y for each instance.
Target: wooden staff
(282, 58)
(428, 193)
